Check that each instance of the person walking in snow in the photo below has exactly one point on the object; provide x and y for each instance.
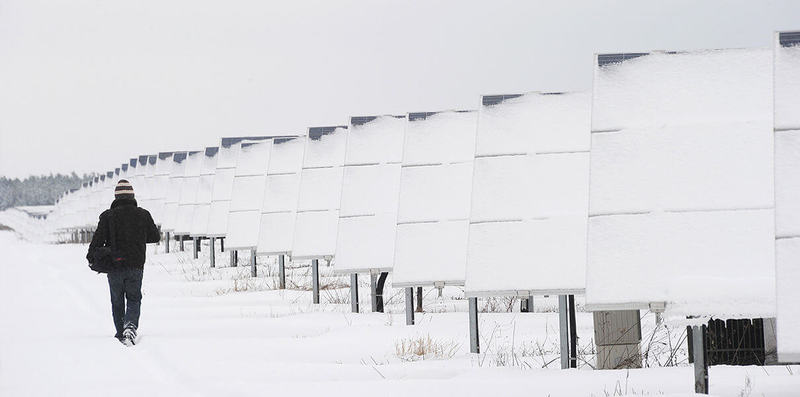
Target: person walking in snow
(126, 229)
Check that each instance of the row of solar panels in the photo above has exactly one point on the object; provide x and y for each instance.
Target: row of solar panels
(675, 184)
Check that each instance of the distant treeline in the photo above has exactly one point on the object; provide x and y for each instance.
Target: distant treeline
(37, 190)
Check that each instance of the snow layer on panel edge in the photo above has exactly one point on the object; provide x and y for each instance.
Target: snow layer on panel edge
(379, 141)
(788, 318)
(253, 157)
(327, 151)
(717, 263)
(243, 228)
(444, 137)
(365, 242)
(787, 87)
(286, 155)
(421, 258)
(535, 123)
(226, 157)
(709, 86)
(546, 255)
(315, 234)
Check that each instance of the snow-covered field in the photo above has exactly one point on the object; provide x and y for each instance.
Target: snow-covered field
(218, 332)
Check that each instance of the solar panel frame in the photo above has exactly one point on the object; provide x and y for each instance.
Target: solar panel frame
(787, 192)
(367, 224)
(529, 203)
(319, 193)
(653, 187)
(434, 201)
(279, 207)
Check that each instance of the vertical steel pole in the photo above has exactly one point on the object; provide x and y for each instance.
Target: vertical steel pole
(410, 306)
(699, 355)
(212, 255)
(281, 271)
(573, 334)
(354, 292)
(419, 299)
(563, 329)
(253, 269)
(373, 287)
(526, 304)
(315, 280)
(180, 239)
(196, 247)
(233, 258)
(166, 241)
(474, 344)
(222, 244)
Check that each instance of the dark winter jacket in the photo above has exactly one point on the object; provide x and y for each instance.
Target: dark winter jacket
(133, 227)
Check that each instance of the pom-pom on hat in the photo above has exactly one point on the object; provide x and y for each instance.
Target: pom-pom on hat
(123, 189)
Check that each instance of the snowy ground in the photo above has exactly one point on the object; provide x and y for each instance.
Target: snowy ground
(217, 332)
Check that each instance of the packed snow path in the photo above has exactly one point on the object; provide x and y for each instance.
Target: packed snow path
(197, 340)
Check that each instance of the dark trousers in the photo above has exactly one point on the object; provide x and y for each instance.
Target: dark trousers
(126, 297)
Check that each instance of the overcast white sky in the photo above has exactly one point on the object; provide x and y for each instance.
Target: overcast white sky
(87, 84)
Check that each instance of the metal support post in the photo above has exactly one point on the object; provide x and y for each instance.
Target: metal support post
(354, 292)
(700, 359)
(222, 244)
(419, 299)
(253, 269)
(315, 280)
(166, 240)
(234, 258)
(212, 255)
(563, 329)
(474, 344)
(196, 247)
(573, 334)
(379, 291)
(526, 305)
(281, 271)
(373, 286)
(410, 306)
(180, 239)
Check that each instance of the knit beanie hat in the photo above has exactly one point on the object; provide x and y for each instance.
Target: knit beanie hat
(123, 189)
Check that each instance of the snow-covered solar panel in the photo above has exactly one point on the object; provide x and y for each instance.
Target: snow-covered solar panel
(370, 191)
(248, 193)
(434, 205)
(787, 193)
(320, 193)
(681, 193)
(173, 184)
(527, 232)
(222, 186)
(187, 198)
(158, 184)
(204, 191)
(278, 210)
